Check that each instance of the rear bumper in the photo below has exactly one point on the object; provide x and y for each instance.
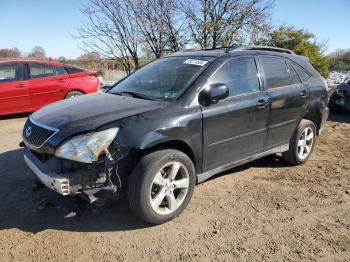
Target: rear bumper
(324, 118)
(47, 177)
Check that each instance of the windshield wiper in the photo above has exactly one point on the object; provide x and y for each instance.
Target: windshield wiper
(134, 94)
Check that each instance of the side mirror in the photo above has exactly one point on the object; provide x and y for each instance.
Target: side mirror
(213, 94)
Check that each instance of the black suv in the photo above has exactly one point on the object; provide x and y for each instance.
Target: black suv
(176, 122)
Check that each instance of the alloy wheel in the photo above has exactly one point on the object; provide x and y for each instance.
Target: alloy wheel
(169, 188)
(305, 143)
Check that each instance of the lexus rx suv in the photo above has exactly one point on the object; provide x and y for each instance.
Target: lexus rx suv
(175, 123)
(26, 86)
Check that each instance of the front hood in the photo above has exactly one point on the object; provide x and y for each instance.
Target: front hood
(89, 112)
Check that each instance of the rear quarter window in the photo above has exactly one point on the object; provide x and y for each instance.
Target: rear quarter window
(294, 78)
(60, 70)
(301, 72)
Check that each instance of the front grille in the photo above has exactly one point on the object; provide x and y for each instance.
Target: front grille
(36, 134)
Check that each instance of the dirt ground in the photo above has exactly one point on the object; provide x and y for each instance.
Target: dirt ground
(264, 210)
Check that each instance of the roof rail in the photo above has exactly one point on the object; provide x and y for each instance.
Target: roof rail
(263, 48)
(229, 49)
(207, 49)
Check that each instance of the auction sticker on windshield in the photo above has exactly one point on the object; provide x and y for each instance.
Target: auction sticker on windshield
(196, 62)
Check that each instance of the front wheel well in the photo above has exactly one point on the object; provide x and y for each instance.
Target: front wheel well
(173, 144)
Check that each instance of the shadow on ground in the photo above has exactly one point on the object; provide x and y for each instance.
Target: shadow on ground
(14, 116)
(30, 210)
(272, 161)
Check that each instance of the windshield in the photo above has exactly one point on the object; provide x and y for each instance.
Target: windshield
(165, 78)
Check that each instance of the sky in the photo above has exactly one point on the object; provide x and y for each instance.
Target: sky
(52, 23)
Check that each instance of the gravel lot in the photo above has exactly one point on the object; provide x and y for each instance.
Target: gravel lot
(265, 210)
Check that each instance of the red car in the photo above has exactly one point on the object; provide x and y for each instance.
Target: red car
(26, 86)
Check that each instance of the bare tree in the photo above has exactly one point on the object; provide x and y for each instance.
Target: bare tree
(159, 24)
(37, 52)
(10, 53)
(111, 31)
(214, 23)
(122, 29)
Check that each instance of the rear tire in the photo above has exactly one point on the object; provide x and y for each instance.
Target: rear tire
(302, 143)
(333, 107)
(73, 94)
(161, 186)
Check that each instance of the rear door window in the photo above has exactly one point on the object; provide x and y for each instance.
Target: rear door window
(41, 70)
(276, 72)
(239, 74)
(9, 73)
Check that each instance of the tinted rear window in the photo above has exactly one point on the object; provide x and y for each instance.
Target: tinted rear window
(9, 73)
(276, 72)
(72, 70)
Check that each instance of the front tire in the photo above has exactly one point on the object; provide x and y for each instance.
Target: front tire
(302, 143)
(161, 186)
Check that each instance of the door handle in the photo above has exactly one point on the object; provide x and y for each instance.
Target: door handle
(262, 103)
(21, 86)
(61, 80)
(303, 93)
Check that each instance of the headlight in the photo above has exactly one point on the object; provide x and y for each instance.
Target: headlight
(87, 148)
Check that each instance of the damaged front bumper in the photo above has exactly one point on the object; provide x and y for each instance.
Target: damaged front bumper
(47, 177)
(70, 178)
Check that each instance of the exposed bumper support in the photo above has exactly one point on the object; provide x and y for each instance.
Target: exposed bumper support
(47, 177)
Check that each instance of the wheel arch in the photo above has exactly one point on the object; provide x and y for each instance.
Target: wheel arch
(314, 116)
(172, 144)
(74, 90)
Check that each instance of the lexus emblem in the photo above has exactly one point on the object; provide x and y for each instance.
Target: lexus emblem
(28, 131)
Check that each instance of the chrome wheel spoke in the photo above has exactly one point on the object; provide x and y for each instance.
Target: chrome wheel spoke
(158, 199)
(301, 152)
(181, 183)
(159, 180)
(300, 143)
(309, 137)
(174, 170)
(172, 202)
